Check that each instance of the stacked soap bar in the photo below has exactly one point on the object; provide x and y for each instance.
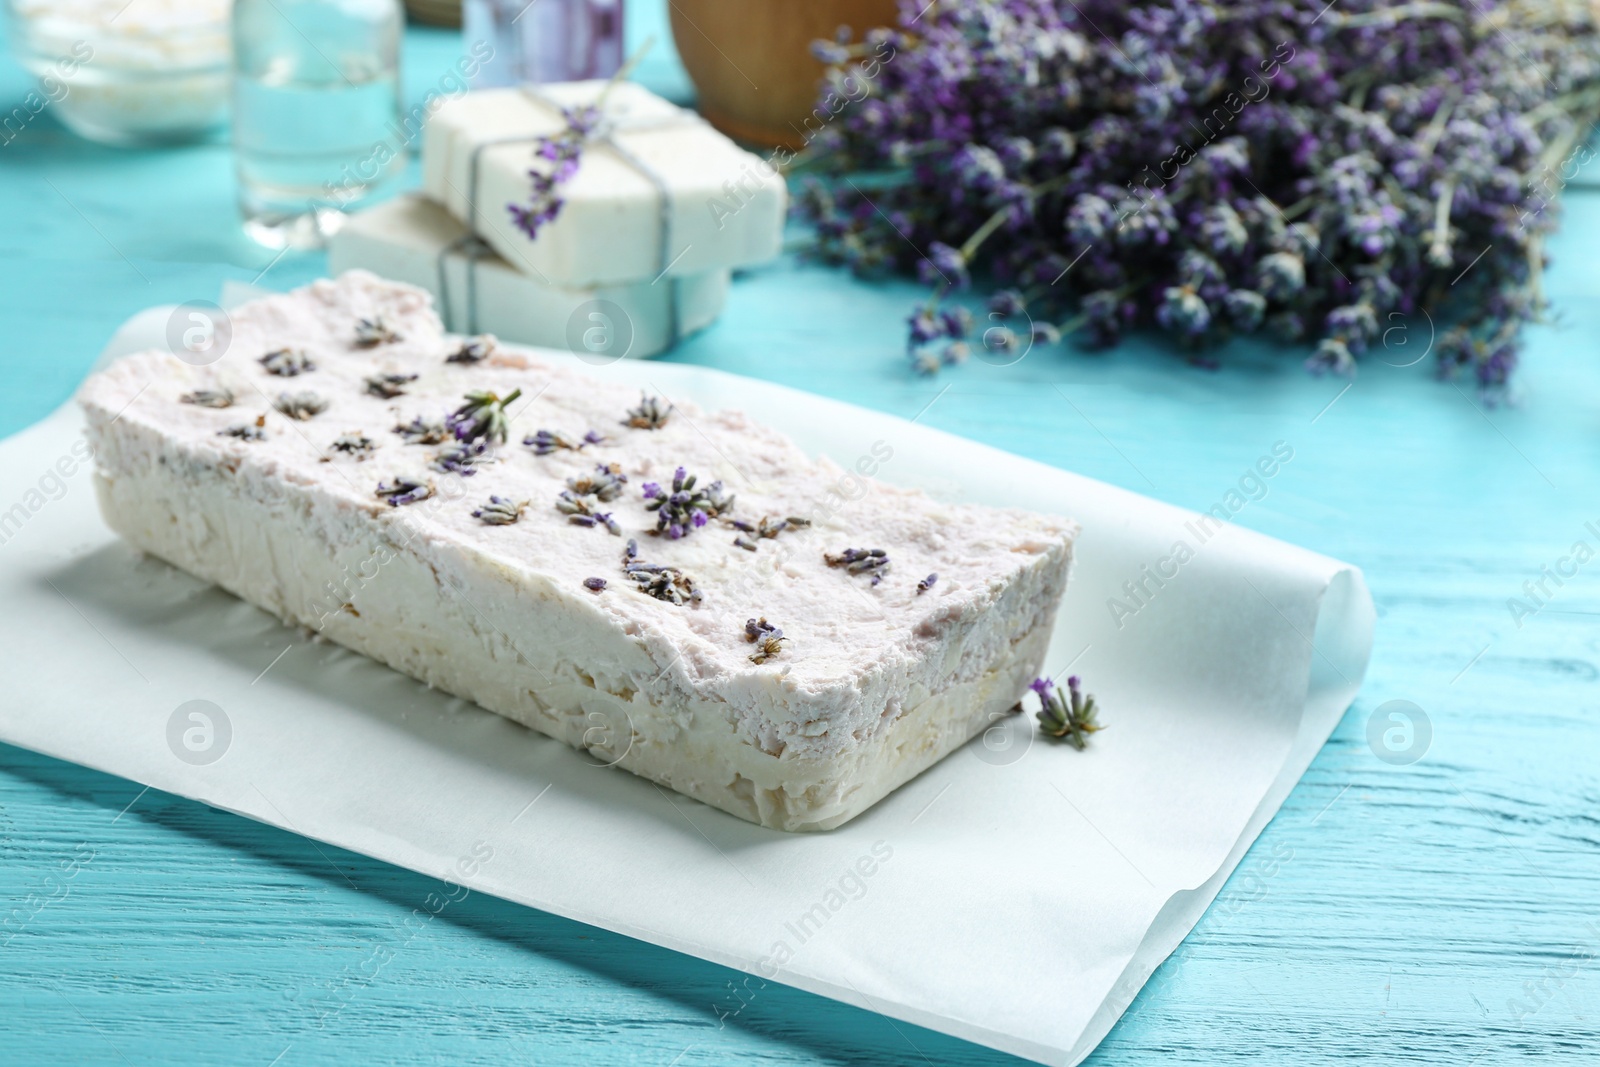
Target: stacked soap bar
(578, 558)
(654, 212)
(412, 239)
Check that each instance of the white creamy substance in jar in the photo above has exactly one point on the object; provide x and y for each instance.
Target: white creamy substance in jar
(120, 71)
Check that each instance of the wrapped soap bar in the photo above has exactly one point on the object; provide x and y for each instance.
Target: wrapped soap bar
(411, 239)
(657, 191)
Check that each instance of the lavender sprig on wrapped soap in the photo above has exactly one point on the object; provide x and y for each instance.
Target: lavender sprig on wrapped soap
(561, 153)
(1344, 178)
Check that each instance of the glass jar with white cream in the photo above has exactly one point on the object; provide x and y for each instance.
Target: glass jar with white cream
(126, 72)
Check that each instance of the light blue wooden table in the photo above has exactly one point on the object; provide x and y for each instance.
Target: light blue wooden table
(1445, 912)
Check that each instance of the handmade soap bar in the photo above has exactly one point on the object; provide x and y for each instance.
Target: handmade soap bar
(411, 239)
(684, 593)
(657, 190)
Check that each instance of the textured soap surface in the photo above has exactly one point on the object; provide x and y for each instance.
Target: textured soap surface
(412, 239)
(724, 206)
(857, 657)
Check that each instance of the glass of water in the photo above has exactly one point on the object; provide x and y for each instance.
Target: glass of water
(316, 109)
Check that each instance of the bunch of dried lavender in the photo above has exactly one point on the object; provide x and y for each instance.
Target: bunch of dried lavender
(1320, 172)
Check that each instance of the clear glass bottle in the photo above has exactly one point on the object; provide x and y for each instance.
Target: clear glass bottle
(316, 110)
(547, 41)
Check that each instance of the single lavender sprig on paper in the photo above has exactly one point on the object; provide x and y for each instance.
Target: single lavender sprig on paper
(1069, 716)
(482, 416)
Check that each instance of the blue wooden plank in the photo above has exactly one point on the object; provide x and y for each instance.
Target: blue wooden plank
(1430, 913)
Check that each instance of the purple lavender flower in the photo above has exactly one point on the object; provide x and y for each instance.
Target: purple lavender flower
(1070, 716)
(1007, 302)
(1281, 275)
(1354, 324)
(389, 385)
(1332, 357)
(580, 512)
(686, 508)
(1168, 165)
(544, 442)
(1183, 312)
(463, 458)
(244, 431)
(562, 153)
(500, 511)
(872, 561)
(404, 490)
(768, 639)
(926, 324)
(1245, 309)
(605, 484)
(287, 362)
(944, 264)
(424, 431)
(957, 322)
(473, 350)
(483, 415)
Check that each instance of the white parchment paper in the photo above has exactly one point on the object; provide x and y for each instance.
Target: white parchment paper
(1017, 865)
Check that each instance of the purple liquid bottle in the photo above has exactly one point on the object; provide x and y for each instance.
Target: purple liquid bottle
(545, 41)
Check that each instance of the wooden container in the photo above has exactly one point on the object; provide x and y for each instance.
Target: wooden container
(751, 62)
(434, 12)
